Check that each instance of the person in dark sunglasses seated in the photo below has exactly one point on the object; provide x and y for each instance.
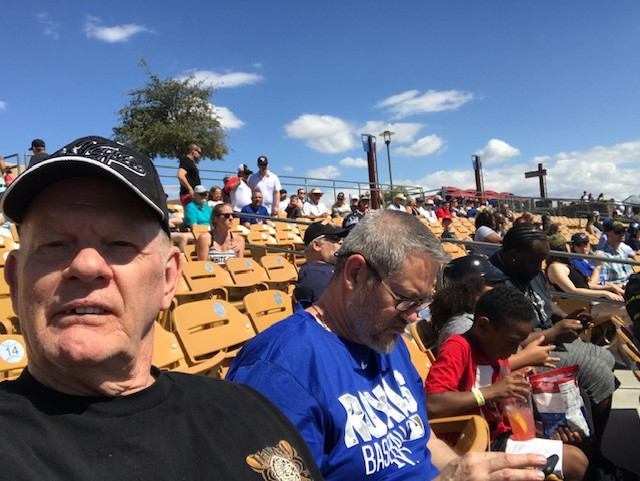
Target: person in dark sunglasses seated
(219, 244)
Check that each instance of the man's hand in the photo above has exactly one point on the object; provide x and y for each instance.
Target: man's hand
(566, 330)
(494, 466)
(512, 385)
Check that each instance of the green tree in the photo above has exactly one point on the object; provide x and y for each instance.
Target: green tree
(166, 115)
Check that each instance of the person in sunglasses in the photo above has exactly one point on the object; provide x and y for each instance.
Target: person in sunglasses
(220, 244)
(321, 241)
(338, 369)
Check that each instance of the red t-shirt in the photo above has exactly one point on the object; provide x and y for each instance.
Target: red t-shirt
(458, 368)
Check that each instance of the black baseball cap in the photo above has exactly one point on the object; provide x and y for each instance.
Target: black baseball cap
(262, 160)
(579, 238)
(88, 157)
(37, 144)
(319, 229)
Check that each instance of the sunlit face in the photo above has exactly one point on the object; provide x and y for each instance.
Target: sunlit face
(327, 246)
(502, 342)
(374, 319)
(92, 272)
(580, 248)
(256, 198)
(215, 194)
(224, 219)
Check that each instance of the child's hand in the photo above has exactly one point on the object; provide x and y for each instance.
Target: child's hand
(535, 354)
(512, 385)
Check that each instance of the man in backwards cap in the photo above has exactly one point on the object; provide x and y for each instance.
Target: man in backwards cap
(95, 266)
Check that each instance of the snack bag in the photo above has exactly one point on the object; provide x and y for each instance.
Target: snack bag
(557, 398)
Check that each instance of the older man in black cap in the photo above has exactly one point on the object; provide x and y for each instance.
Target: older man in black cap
(322, 241)
(94, 268)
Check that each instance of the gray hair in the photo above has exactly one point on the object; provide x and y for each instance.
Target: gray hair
(386, 237)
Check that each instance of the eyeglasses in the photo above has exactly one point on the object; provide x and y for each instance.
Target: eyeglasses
(402, 304)
(203, 194)
(226, 215)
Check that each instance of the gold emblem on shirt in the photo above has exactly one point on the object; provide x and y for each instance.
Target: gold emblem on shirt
(279, 463)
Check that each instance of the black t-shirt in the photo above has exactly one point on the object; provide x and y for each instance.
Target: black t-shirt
(193, 174)
(182, 427)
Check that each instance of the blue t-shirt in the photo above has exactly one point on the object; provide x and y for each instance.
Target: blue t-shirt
(362, 414)
(194, 214)
(249, 210)
(313, 279)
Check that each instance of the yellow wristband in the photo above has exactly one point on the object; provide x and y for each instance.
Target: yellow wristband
(478, 395)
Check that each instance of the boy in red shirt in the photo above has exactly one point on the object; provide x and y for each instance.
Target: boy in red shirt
(465, 378)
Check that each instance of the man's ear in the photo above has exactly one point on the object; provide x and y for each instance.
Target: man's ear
(172, 273)
(355, 271)
(11, 277)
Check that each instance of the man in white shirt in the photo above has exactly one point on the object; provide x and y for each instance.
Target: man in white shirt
(426, 210)
(238, 190)
(398, 202)
(269, 185)
(313, 208)
(284, 200)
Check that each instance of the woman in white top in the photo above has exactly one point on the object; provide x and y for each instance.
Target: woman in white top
(485, 225)
(219, 244)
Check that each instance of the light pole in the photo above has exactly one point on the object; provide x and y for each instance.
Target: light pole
(387, 140)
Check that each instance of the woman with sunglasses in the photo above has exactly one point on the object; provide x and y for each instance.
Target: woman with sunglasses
(220, 244)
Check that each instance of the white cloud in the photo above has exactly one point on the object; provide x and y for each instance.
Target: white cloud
(227, 119)
(351, 162)
(611, 170)
(425, 146)
(210, 78)
(288, 168)
(412, 102)
(496, 151)
(3, 105)
(323, 133)
(117, 33)
(49, 27)
(326, 172)
(403, 131)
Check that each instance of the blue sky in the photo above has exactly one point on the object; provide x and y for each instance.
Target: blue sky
(516, 82)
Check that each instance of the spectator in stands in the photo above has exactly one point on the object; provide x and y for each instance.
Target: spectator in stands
(340, 207)
(485, 232)
(293, 210)
(500, 224)
(472, 212)
(591, 270)
(448, 232)
(584, 195)
(428, 212)
(523, 250)
(284, 200)
(370, 393)
(269, 185)
(631, 237)
(94, 269)
(546, 223)
(302, 197)
(321, 241)
(197, 212)
(398, 202)
(238, 189)
(615, 273)
(215, 196)
(455, 209)
(361, 210)
(354, 202)
(472, 374)
(38, 148)
(443, 210)
(219, 244)
(255, 208)
(313, 208)
(506, 212)
(188, 173)
(564, 277)
(181, 239)
(412, 206)
(600, 196)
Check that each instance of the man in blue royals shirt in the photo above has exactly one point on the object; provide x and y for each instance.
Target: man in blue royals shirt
(338, 370)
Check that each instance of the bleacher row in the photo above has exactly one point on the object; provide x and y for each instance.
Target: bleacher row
(218, 308)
